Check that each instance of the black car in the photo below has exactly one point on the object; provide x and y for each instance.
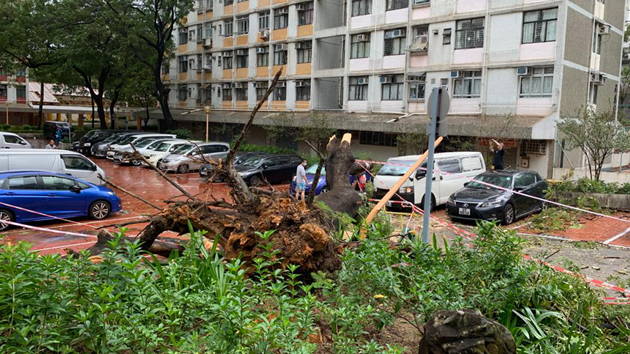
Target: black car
(479, 200)
(50, 129)
(240, 157)
(93, 137)
(100, 148)
(273, 169)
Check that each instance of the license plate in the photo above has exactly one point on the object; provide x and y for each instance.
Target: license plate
(464, 211)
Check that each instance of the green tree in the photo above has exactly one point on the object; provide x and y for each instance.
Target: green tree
(597, 135)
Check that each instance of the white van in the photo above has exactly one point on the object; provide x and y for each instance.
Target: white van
(51, 160)
(13, 141)
(451, 171)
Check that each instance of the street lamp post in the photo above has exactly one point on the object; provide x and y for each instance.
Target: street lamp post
(207, 109)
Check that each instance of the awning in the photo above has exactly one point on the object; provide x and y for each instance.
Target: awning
(34, 95)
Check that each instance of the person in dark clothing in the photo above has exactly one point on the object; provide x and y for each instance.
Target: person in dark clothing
(498, 151)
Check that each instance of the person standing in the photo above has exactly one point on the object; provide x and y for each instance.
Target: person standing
(300, 180)
(51, 145)
(498, 151)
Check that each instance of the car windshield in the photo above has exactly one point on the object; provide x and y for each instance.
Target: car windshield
(395, 168)
(155, 145)
(127, 140)
(112, 139)
(486, 180)
(144, 143)
(182, 149)
(163, 147)
(313, 170)
(253, 162)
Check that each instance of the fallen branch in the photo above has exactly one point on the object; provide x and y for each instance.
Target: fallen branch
(173, 183)
(318, 173)
(128, 192)
(141, 221)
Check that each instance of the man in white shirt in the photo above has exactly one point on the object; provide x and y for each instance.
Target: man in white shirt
(300, 180)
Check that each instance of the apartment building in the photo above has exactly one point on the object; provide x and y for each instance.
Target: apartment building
(13, 98)
(511, 67)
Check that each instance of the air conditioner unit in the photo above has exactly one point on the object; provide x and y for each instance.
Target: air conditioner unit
(522, 71)
(264, 34)
(417, 78)
(282, 11)
(261, 50)
(227, 54)
(280, 47)
(363, 37)
(281, 84)
(238, 85)
(207, 67)
(597, 78)
(302, 83)
(226, 86)
(604, 29)
(207, 42)
(386, 80)
(261, 85)
(299, 45)
(241, 52)
(362, 81)
(300, 7)
(454, 74)
(420, 43)
(398, 33)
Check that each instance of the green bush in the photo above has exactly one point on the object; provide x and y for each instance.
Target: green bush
(181, 133)
(586, 185)
(274, 150)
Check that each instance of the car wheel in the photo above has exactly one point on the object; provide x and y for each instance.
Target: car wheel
(182, 169)
(432, 204)
(5, 215)
(99, 210)
(256, 181)
(508, 214)
(136, 162)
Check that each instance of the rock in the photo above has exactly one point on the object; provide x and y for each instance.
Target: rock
(465, 332)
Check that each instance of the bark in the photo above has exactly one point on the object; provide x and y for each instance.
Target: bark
(97, 97)
(112, 104)
(40, 111)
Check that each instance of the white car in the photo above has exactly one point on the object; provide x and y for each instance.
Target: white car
(134, 139)
(165, 148)
(13, 141)
(123, 155)
(190, 157)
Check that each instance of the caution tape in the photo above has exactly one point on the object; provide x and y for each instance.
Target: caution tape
(46, 215)
(67, 233)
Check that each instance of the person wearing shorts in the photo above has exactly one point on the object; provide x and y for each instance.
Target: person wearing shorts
(300, 180)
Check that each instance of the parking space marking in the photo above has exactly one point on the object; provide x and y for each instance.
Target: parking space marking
(612, 239)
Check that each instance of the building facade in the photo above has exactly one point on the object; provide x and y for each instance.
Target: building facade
(511, 67)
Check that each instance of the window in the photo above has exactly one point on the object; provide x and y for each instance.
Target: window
(304, 52)
(419, 2)
(449, 166)
(12, 139)
(524, 180)
(242, 24)
(53, 183)
(392, 87)
(229, 2)
(397, 4)
(263, 21)
(191, 35)
(165, 69)
(377, 138)
(227, 93)
(227, 60)
(395, 41)
(241, 93)
(209, 4)
(262, 56)
(540, 26)
(305, 16)
(468, 85)
(280, 92)
(469, 33)
(208, 65)
(538, 84)
(228, 28)
(417, 87)
(361, 7)
(261, 89)
(183, 64)
(242, 58)
(592, 93)
(303, 90)
(358, 88)
(3, 91)
(208, 31)
(281, 18)
(21, 93)
(77, 163)
(182, 93)
(446, 36)
(360, 46)
(280, 55)
(26, 182)
(183, 36)
(597, 40)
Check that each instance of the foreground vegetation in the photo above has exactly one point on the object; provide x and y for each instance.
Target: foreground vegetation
(200, 302)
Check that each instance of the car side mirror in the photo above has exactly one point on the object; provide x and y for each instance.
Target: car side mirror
(264, 166)
(421, 174)
(466, 184)
(75, 189)
(22, 142)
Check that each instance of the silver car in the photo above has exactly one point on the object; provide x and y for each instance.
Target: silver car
(190, 157)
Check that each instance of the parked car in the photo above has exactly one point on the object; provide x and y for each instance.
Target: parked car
(321, 186)
(50, 129)
(70, 163)
(450, 172)
(204, 170)
(53, 194)
(273, 169)
(134, 139)
(123, 155)
(190, 157)
(84, 145)
(165, 148)
(13, 141)
(100, 149)
(479, 200)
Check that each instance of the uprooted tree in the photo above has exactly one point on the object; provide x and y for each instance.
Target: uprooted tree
(300, 231)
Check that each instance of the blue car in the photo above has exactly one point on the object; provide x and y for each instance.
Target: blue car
(321, 187)
(53, 194)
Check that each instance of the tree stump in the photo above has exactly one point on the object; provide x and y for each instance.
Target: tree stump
(465, 332)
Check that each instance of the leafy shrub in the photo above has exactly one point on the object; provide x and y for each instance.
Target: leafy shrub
(586, 185)
(181, 133)
(264, 148)
(555, 219)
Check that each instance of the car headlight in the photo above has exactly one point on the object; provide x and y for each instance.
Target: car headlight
(450, 200)
(405, 190)
(492, 203)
